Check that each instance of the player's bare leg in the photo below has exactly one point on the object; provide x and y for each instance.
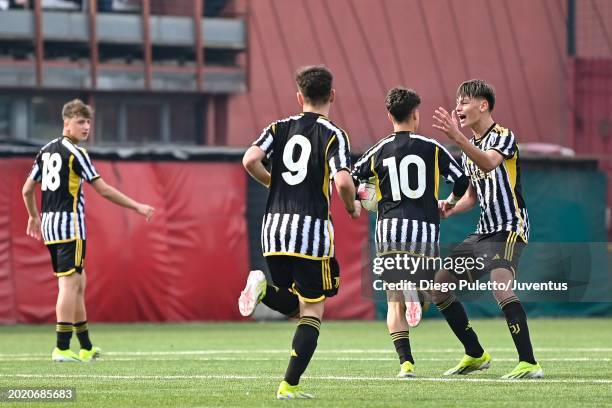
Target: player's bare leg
(80, 314)
(414, 311)
(516, 318)
(67, 297)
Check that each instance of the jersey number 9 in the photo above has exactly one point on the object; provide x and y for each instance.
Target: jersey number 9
(297, 168)
(402, 183)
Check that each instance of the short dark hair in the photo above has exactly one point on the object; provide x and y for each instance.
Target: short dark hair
(76, 108)
(401, 102)
(477, 88)
(315, 83)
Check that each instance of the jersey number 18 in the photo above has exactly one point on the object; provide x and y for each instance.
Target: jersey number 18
(52, 164)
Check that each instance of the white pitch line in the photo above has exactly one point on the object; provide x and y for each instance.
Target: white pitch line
(273, 358)
(323, 351)
(331, 378)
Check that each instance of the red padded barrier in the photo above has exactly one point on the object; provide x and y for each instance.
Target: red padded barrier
(186, 264)
(352, 252)
(7, 292)
(34, 286)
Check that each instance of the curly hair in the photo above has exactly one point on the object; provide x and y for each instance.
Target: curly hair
(401, 102)
(315, 83)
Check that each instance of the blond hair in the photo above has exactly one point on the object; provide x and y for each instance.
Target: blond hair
(76, 108)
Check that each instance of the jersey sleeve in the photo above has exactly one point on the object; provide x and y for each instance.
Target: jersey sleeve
(265, 141)
(36, 172)
(449, 169)
(504, 143)
(83, 166)
(452, 173)
(362, 170)
(339, 153)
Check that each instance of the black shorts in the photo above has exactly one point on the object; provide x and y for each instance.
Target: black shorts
(67, 257)
(312, 280)
(490, 251)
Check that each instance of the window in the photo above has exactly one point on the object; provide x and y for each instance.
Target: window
(184, 122)
(144, 122)
(106, 120)
(118, 119)
(140, 121)
(46, 116)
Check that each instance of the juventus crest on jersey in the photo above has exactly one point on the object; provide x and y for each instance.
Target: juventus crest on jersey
(406, 168)
(499, 191)
(61, 167)
(306, 152)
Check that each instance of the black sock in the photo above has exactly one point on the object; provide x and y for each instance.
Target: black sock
(517, 323)
(64, 334)
(281, 300)
(304, 345)
(82, 332)
(458, 321)
(401, 341)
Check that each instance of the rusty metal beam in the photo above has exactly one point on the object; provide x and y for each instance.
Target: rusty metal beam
(38, 42)
(146, 41)
(198, 7)
(93, 44)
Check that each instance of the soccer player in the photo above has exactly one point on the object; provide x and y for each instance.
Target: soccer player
(307, 152)
(60, 167)
(491, 160)
(406, 168)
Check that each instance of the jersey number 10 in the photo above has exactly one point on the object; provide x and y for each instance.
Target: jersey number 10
(52, 164)
(402, 183)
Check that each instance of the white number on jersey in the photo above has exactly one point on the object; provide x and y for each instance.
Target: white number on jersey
(299, 168)
(52, 164)
(401, 183)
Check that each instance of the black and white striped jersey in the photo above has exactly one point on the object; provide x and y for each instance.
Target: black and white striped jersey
(306, 152)
(406, 169)
(499, 191)
(61, 167)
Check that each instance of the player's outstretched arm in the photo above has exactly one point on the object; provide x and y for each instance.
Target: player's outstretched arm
(346, 191)
(117, 197)
(459, 188)
(486, 160)
(253, 164)
(33, 228)
(466, 203)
